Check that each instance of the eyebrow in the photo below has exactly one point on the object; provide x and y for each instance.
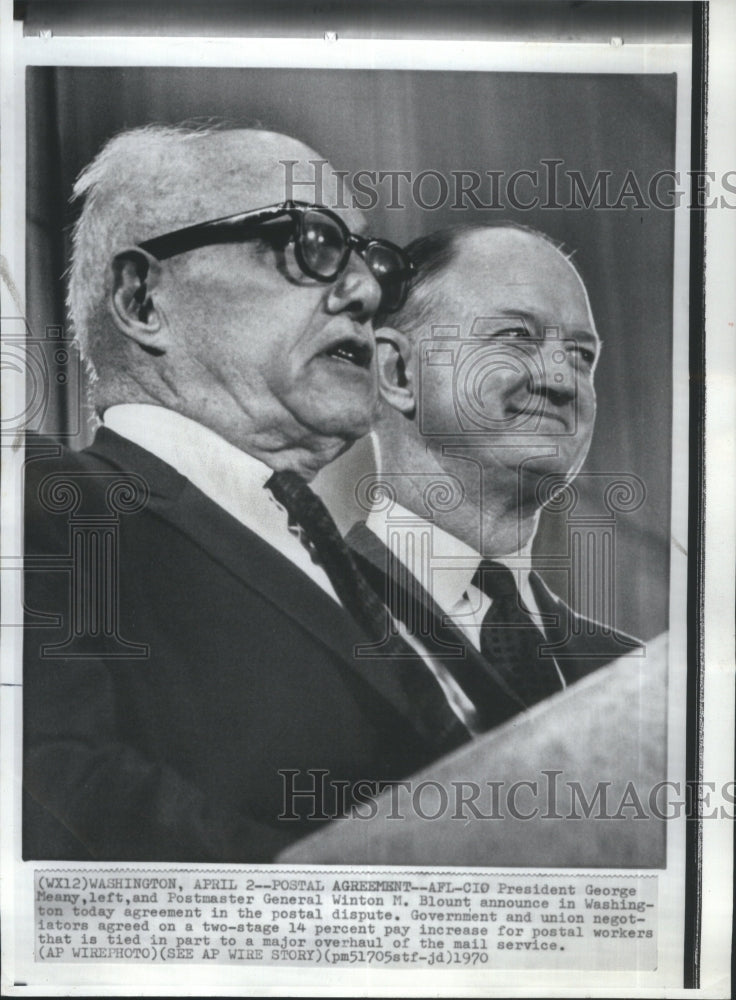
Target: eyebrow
(587, 336)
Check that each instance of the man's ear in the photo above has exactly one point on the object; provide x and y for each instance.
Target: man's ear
(135, 277)
(396, 375)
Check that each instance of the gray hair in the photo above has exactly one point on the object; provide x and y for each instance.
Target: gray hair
(124, 191)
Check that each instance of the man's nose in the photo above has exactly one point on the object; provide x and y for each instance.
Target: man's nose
(355, 290)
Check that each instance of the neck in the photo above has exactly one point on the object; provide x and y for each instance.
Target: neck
(280, 443)
(307, 462)
(461, 497)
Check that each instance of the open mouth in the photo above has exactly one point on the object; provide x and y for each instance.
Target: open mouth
(353, 352)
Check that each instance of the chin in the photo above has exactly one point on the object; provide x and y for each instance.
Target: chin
(347, 416)
(354, 431)
(546, 477)
(343, 426)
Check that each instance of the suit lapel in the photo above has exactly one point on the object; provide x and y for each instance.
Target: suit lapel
(444, 640)
(580, 645)
(260, 567)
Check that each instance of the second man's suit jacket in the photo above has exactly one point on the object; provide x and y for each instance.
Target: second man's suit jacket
(579, 645)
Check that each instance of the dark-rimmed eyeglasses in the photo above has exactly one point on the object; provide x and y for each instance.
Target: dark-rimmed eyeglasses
(322, 245)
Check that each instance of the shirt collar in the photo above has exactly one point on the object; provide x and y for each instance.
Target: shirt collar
(444, 565)
(231, 477)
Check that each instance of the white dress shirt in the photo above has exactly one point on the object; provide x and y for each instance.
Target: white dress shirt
(233, 479)
(445, 567)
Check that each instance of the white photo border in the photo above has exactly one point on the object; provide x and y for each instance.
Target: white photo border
(18, 52)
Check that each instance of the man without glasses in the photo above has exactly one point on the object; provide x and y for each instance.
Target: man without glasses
(184, 646)
(487, 378)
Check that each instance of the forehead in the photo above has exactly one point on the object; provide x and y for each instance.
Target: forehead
(224, 173)
(499, 271)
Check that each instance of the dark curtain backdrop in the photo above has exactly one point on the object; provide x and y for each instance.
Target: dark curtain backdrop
(441, 121)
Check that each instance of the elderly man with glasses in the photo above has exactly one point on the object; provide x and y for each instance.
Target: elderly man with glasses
(190, 647)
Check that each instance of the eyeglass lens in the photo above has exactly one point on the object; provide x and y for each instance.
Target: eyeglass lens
(386, 266)
(323, 248)
(323, 244)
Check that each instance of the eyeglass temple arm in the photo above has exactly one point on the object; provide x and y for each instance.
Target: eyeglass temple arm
(229, 228)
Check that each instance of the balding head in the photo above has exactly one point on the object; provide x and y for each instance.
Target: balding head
(497, 341)
(481, 255)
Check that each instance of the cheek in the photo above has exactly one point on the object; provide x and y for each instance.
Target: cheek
(236, 350)
(503, 375)
(585, 419)
(587, 405)
(438, 397)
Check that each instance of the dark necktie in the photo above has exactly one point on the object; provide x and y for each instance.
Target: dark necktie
(308, 512)
(493, 700)
(509, 638)
(422, 690)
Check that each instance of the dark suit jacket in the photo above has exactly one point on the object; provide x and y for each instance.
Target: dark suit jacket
(164, 693)
(579, 645)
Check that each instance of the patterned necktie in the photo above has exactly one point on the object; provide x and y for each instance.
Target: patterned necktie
(308, 512)
(509, 638)
(493, 701)
(422, 690)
